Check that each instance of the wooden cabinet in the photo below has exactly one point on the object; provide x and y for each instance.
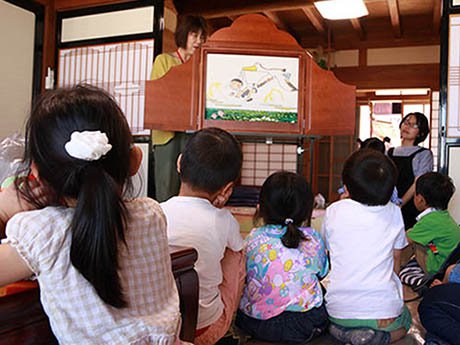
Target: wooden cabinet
(328, 154)
(325, 106)
(332, 102)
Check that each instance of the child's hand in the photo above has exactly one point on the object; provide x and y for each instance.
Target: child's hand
(343, 196)
(343, 193)
(12, 202)
(219, 201)
(436, 282)
(222, 197)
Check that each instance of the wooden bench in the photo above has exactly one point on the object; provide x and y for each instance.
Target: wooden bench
(23, 321)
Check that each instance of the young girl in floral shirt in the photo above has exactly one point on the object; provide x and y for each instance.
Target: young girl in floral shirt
(282, 299)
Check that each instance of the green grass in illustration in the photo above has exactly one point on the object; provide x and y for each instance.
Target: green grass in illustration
(250, 115)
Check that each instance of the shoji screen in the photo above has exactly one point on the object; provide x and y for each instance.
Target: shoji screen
(119, 68)
(112, 47)
(261, 160)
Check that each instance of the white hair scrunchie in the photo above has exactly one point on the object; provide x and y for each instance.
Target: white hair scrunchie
(288, 221)
(88, 145)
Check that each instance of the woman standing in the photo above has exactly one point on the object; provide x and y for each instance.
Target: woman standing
(190, 34)
(412, 161)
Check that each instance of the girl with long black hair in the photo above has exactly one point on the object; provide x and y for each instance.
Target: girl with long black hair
(101, 260)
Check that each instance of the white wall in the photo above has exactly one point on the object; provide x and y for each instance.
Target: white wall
(17, 27)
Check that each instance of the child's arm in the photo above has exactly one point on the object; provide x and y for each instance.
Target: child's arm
(12, 266)
(397, 260)
(445, 280)
(420, 234)
(220, 199)
(448, 272)
(322, 256)
(408, 195)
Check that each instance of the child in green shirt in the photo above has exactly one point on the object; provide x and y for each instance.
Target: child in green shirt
(436, 234)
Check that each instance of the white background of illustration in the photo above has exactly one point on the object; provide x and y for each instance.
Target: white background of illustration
(275, 95)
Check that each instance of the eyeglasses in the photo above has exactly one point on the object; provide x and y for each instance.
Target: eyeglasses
(411, 124)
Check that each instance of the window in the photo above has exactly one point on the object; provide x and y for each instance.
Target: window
(112, 47)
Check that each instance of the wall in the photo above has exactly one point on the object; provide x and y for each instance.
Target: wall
(103, 25)
(450, 114)
(454, 173)
(49, 39)
(393, 67)
(388, 56)
(170, 15)
(17, 28)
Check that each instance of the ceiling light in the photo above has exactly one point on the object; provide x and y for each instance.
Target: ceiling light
(399, 92)
(388, 92)
(341, 9)
(414, 92)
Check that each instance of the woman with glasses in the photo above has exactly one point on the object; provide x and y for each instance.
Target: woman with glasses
(412, 161)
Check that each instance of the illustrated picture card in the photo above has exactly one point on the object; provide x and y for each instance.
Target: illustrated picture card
(252, 88)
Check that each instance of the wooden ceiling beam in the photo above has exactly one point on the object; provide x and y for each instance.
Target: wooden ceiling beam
(277, 20)
(315, 18)
(358, 28)
(390, 77)
(394, 15)
(346, 42)
(371, 96)
(237, 7)
(436, 16)
(225, 9)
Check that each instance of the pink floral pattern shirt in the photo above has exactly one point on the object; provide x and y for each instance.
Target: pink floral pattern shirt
(279, 278)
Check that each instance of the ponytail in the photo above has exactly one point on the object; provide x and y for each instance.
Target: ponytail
(97, 229)
(79, 141)
(292, 236)
(286, 199)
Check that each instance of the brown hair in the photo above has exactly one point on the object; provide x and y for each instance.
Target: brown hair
(186, 24)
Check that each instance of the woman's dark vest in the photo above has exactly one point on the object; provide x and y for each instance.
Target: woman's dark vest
(406, 178)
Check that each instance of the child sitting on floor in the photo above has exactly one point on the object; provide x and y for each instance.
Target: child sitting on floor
(436, 234)
(282, 299)
(208, 168)
(378, 145)
(102, 261)
(440, 309)
(364, 235)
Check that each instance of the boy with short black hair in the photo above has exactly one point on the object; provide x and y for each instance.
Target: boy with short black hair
(208, 167)
(436, 234)
(364, 235)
